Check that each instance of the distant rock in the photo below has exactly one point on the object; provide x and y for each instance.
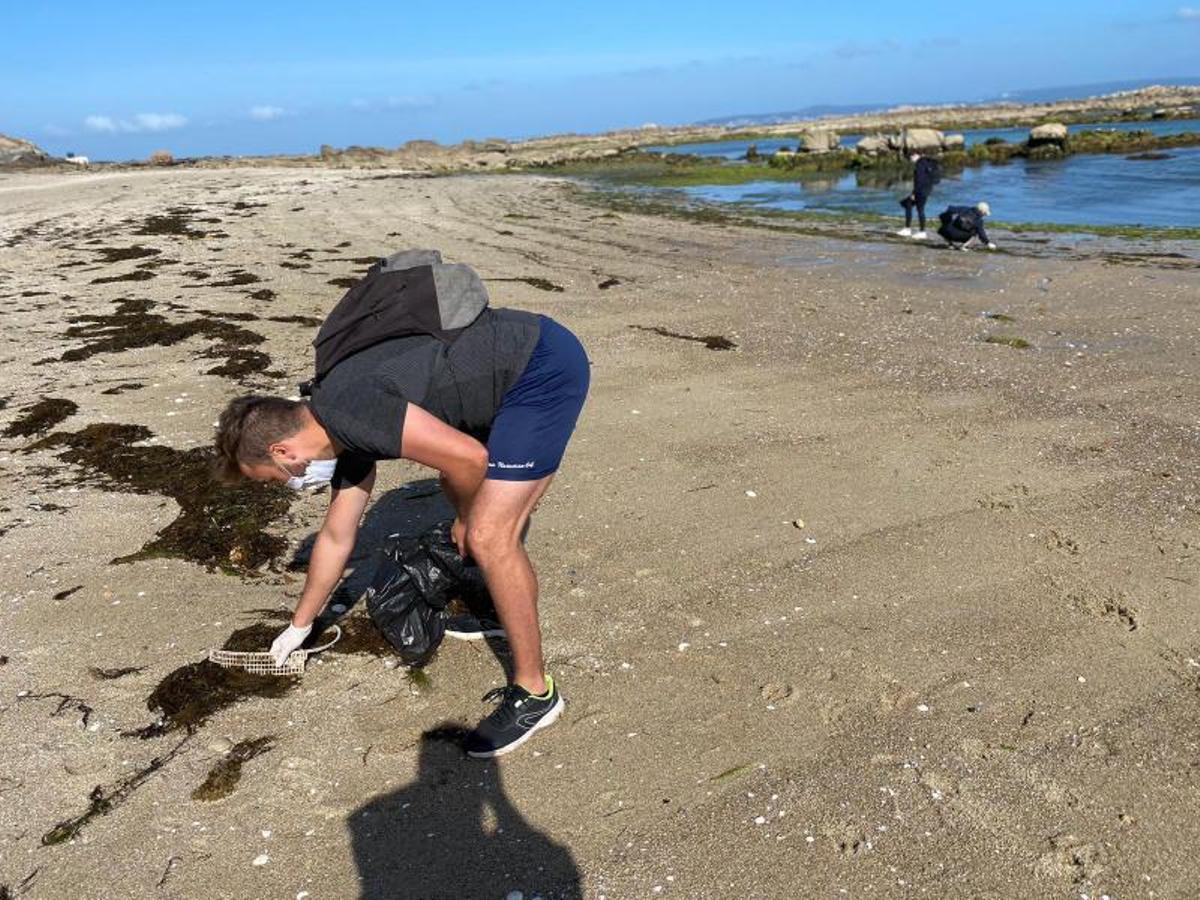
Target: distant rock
(1050, 133)
(954, 142)
(873, 144)
(18, 152)
(421, 146)
(920, 140)
(818, 141)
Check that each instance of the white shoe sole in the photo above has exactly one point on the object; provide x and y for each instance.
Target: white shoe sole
(475, 635)
(544, 722)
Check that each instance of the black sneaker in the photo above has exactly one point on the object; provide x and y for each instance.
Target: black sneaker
(466, 627)
(514, 721)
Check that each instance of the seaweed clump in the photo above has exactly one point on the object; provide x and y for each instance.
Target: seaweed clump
(133, 326)
(220, 526)
(114, 673)
(135, 275)
(1017, 343)
(175, 221)
(236, 279)
(192, 694)
(120, 254)
(224, 776)
(711, 341)
(42, 416)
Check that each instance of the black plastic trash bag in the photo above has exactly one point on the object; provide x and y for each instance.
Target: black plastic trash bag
(416, 580)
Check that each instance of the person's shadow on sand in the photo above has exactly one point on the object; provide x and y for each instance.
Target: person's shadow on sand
(453, 833)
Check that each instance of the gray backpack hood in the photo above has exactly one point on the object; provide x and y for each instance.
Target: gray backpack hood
(410, 292)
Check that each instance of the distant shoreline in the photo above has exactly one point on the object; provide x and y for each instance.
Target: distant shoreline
(429, 157)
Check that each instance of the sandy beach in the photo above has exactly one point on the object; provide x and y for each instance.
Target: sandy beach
(895, 597)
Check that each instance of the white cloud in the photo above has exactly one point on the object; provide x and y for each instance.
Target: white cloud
(100, 123)
(159, 121)
(266, 113)
(1188, 14)
(140, 122)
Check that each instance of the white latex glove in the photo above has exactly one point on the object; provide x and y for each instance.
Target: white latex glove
(991, 246)
(289, 639)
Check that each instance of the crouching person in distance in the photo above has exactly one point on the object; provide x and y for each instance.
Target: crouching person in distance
(492, 412)
(963, 224)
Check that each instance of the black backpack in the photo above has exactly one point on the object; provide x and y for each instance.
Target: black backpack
(407, 293)
(960, 219)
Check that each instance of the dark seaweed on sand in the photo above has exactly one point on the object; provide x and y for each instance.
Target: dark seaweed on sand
(175, 221)
(133, 325)
(192, 694)
(40, 417)
(711, 341)
(102, 801)
(227, 772)
(120, 254)
(136, 275)
(220, 526)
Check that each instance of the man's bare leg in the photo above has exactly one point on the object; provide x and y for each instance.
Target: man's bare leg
(498, 513)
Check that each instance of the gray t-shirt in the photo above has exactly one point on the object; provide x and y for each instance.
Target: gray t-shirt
(361, 401)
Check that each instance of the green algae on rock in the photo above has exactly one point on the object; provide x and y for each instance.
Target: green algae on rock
(219, 526)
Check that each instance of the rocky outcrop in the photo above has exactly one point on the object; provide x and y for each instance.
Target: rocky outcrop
(920, 140)
(15, 152)
(1050, 133)
(873, 144)
(817, 141)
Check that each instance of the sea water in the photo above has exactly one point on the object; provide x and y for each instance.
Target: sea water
(1092, 189)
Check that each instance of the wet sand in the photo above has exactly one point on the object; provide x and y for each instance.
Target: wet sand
(876, 602)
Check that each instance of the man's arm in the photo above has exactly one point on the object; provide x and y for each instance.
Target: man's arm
(334, 544)
(461, 460)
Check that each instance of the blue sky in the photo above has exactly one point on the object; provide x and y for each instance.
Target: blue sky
(119, 80)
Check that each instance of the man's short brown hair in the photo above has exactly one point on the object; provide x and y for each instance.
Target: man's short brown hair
(249, 426)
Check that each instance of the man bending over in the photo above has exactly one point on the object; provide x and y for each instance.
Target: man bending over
(492, 412)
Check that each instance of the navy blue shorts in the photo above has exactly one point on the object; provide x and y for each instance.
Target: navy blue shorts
(537, 416)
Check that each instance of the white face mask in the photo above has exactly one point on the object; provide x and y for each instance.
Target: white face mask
(317, 473)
